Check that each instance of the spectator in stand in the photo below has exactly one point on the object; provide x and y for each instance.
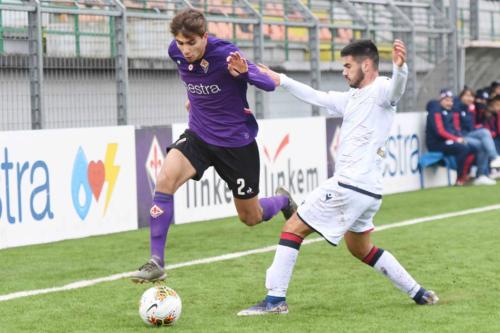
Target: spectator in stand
(441, 135)
(495, 88)
(492, 120)
(477, 137)
(482, 96)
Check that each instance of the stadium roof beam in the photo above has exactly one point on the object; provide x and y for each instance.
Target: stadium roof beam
(154, 9)
(410, 101)
(20, 6)
(81, 7)
(35, 64)
(121, 65)
(238, 11)
(314, 50)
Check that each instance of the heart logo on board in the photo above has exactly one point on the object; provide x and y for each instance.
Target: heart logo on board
(96, 176)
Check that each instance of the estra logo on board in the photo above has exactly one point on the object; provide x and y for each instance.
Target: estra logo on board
(25, 189)
(89, 179)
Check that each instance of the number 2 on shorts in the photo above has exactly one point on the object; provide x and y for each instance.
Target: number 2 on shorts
(241, 185)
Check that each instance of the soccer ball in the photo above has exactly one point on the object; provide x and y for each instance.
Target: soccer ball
(160, 306)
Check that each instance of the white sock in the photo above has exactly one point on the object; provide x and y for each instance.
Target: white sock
(278, 276)
(384, 262)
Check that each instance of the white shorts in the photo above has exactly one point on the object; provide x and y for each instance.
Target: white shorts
(332, 210)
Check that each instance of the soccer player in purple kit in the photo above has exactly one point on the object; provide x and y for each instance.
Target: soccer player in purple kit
(222, 131)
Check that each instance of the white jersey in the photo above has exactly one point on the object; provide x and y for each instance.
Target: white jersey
(367, 119)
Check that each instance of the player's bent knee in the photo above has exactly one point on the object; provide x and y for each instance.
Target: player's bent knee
(358, 250)
(249, 219)
(295, 226)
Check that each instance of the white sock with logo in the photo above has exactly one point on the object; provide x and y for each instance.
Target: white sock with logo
(279, 274)
(384, 262)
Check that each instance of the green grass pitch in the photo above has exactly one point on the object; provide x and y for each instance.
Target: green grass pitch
(330, 291)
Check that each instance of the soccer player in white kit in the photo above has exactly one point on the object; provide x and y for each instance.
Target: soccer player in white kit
(344, 206)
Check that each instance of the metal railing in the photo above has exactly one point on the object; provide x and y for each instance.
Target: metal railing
(104, 62)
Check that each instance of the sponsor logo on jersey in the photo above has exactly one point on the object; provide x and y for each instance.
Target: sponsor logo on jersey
(190, 67)
(328, 196)
(201, 89)
(204, 64)
(381, 152)
(155, 211)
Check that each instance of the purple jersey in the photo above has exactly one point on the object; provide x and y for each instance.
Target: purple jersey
(219, 112)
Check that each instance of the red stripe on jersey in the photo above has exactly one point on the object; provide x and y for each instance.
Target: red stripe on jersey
(440, 128)
(456, 121)
(292, 237)
(467, 165)
(370, 255)
(498, 125)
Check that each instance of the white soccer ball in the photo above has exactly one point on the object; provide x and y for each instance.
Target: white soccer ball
(160, 306)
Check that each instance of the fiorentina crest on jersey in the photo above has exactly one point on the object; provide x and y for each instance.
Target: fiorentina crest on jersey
(155, 211)
(204, 64)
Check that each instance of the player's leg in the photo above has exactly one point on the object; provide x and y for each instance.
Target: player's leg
(279, 274)
(253, 211)
(360, 245)
(184, 160)
(462, 157)
(240, 168)
(488, 144)
(319, 212)
(497, 144)
(476, 145)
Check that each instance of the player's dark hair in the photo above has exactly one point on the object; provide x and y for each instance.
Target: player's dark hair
(189, 22)
(360, 50)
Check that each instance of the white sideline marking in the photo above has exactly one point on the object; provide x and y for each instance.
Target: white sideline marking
(87, 283)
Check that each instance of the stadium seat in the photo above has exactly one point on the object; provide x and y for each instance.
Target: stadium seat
(434, 158)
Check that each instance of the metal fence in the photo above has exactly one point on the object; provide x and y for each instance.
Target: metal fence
(104, 62)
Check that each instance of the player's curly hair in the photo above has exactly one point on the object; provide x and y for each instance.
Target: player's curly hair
(360, 50)
(189, 22)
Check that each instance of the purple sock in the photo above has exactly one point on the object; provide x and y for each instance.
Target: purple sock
(272, 205)
(161, 213)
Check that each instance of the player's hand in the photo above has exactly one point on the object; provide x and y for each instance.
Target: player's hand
(236, 64)
(398, 52)
(461, 140)
(187, 105)
(269, 72)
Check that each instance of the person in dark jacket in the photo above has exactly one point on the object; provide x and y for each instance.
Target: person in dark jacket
(476, 136)
(442, 136)
(492, 120)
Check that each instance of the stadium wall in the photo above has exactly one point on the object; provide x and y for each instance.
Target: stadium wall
(63, 184)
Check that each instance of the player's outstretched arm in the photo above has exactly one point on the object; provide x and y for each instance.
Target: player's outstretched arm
(241, 68)
(333, 101)
(399, 72)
